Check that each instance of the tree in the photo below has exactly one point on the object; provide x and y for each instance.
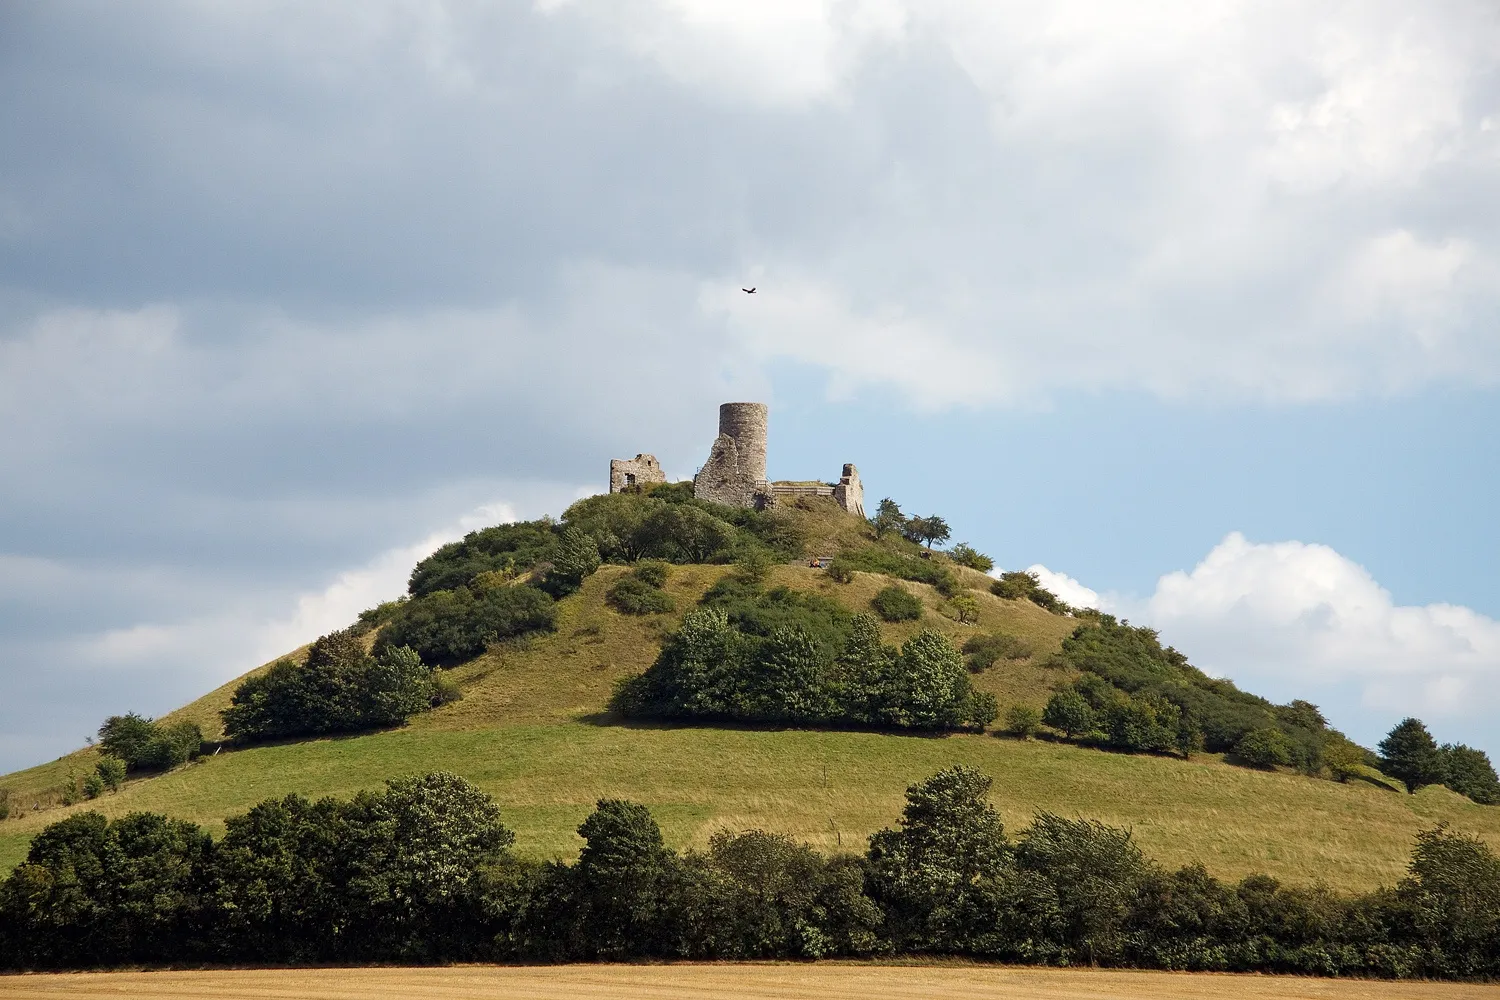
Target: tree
(966, 555)
(888, 518)
(1264, 748)
(1069, 712)
(621, 880)
(965, 609)
(934, 529)
(932, 875)
(577, 557)
(1410, 755)
(144, 744)
(1469, 772)
(111, 771)
(1343, 759)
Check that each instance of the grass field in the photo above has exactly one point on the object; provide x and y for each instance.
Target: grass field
(823, 981)
(531, 732)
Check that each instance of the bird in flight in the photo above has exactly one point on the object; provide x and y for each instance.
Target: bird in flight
(748, 291)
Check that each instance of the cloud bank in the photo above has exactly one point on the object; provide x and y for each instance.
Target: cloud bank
(1297, 620)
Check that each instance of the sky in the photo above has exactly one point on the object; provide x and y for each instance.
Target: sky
(1191, 307)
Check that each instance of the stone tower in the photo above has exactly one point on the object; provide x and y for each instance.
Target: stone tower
(735, 472)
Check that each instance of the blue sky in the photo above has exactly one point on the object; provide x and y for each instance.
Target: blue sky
(1193, 307)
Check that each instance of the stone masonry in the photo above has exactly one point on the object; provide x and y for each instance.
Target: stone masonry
(642, 470)
(735, 473)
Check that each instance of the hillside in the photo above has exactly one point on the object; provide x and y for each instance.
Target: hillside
(533, 731)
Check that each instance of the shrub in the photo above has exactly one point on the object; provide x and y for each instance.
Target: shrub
(111, 771)
(652, 572)
(983, 651)
(339, 688)
(1343, 759)
(633, 596)
(508, 549)
(965, 555)
(965, 609)
(1022, 721)
(902, 565)
(840, 570)
(1018, 586)
(445, 690)
(895, 603)
(1068, 712)
(93, 786)
(1264, 748)
(577, 557)
(4, 803)
(146, 745)
(451, 626)
(983, 709)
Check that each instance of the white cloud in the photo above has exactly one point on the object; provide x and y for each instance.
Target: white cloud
(1295, 612)
(1297, 620)
(1061, 584)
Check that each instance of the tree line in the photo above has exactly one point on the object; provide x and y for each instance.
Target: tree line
(755, 655)
(424, 871)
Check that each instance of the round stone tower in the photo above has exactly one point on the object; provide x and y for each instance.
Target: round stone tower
(746, 423)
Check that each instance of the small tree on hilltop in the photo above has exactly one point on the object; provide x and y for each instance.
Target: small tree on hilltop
(966, 555)
(888, 518)
(927, 529)
(1411, 756)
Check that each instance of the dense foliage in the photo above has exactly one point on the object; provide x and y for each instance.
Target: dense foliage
(640, 591)
(146, 745)
(1019, 586)
(422, 872)
(339, 688)
(449, 626)
(790, 659)
(668, 524)
(1143, 696)
(506, 549)
(1410, 755)
(982, 651)
(902, 565)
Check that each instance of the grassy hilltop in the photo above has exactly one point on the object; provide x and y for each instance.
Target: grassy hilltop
(533, 729)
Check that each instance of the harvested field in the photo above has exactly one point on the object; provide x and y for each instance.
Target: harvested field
(828, 981)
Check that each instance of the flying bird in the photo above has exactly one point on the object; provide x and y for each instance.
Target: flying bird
(748, 291)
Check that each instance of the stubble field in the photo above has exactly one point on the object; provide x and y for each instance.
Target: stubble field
(828, 981)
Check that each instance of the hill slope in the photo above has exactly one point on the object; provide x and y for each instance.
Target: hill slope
(531, 730)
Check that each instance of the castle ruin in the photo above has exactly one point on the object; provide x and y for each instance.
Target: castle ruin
(735, 473)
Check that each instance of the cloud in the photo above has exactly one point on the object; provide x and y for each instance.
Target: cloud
(1292, 613)
(1065, 587)
(285, 282)
(1297, 620)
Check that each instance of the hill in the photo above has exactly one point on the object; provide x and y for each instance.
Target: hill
(533, 730)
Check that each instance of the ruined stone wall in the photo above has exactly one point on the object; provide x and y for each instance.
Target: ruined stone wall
(642, 470)
(850, 492)
(735, 472)
(721, 479)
